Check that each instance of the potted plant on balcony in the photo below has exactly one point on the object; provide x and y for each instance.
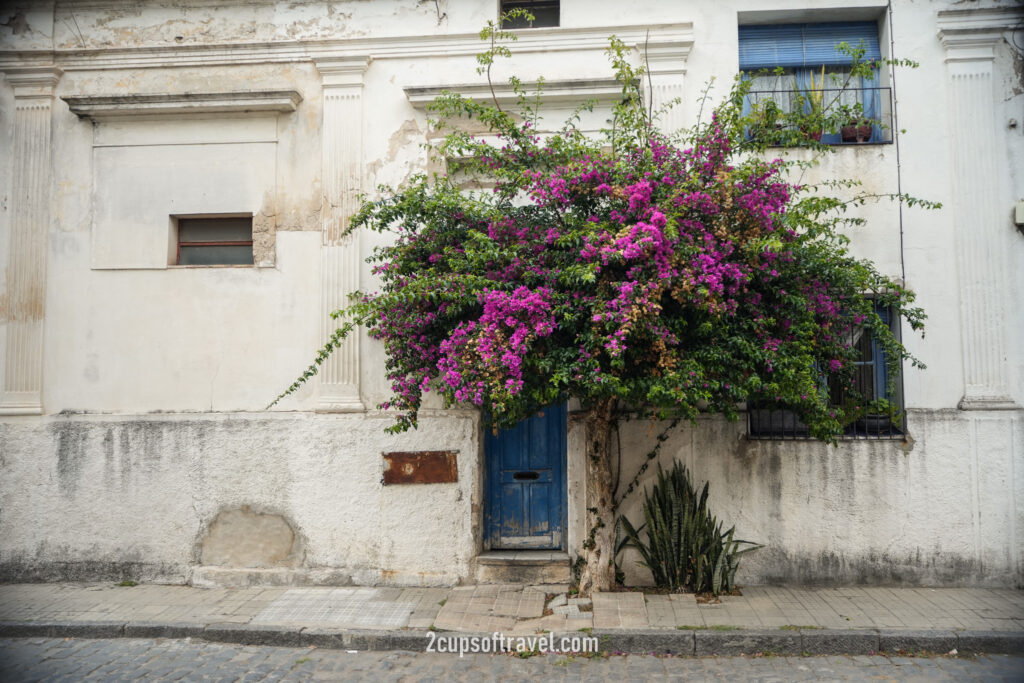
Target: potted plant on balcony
(814, 97)
(880, 415)
(766, 121)
(857, 130)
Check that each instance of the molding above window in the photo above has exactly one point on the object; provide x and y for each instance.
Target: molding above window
(603, 90)
(98, 107)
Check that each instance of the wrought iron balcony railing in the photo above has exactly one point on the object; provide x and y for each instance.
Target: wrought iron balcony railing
(868, 123)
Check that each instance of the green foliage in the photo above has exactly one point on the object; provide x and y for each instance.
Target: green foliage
(680, 541)
(671, 280)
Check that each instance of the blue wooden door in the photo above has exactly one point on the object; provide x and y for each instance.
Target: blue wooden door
(525, 491)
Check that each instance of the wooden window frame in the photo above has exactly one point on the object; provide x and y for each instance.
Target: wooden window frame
(178, 243)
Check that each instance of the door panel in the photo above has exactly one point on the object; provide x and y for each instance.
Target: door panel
(525, 491)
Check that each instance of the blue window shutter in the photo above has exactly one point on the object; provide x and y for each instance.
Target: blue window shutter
(765, 47)
(820, 42)
(797, 45)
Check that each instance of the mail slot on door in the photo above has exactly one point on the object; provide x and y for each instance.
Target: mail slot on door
(525, 476)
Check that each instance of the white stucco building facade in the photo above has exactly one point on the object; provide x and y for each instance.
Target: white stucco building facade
(134, 436)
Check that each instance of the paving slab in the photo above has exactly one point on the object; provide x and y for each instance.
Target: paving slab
(849, 620)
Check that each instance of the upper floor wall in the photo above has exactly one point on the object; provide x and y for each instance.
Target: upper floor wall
(98, 320)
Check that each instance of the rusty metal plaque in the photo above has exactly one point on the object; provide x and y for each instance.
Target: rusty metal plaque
(420, 467)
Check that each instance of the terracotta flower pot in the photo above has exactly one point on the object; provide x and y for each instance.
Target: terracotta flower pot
(812, 134)
(853, 132)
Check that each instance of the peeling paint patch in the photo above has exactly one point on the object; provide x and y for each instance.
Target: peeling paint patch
(17, 23)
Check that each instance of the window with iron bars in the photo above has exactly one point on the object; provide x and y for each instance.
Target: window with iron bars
(874, 400)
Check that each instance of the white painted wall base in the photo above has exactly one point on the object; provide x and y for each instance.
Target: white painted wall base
(90, 497)
(96, 497)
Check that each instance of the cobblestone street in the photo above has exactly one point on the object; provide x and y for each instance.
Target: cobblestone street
(128, 659)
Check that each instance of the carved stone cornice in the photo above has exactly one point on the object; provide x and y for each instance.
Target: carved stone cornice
(972, 35)
(663, 40)
(342, 71)
(115, 106)
(33, 81)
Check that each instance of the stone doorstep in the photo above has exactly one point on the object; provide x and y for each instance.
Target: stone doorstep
(523, 567)
(702, 642)
(518, 558)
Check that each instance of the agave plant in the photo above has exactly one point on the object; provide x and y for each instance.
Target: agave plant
(683, 544)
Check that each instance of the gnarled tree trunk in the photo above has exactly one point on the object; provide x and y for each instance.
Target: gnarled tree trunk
(598, 548)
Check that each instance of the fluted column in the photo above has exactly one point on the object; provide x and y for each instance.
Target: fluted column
(666, 62)
(979, 209)
(341, 258)
(31, 172)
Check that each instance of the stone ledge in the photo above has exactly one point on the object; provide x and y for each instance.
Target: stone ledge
(118, 106)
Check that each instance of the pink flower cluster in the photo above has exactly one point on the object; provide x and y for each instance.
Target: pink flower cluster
(486, 355)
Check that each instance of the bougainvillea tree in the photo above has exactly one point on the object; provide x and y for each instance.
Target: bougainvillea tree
(638, 276)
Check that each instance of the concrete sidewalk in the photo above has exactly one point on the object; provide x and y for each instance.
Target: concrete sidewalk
(764, 619)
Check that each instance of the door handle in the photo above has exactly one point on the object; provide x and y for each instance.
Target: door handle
(525, 476)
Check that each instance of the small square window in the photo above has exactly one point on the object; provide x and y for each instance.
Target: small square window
(545, 13)
(214, 241)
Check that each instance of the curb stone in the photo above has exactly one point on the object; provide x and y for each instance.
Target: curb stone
(915, 641)
(746, 642)
(839, 642)
(1003, 642)
(156, 629)
(252, 634)
(699, 642)
(61, 629)
(645, 641)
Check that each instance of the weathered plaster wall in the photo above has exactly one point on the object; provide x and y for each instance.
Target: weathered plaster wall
(941, 509)
(91, 496)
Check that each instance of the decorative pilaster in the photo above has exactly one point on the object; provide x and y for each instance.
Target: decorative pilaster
(970, 39)
(666, 61)
(31, 172)
(341, 260)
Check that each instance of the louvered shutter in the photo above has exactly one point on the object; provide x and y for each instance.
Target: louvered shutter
(800, 45)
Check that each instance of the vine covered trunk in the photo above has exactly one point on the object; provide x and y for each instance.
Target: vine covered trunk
(598, 549)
